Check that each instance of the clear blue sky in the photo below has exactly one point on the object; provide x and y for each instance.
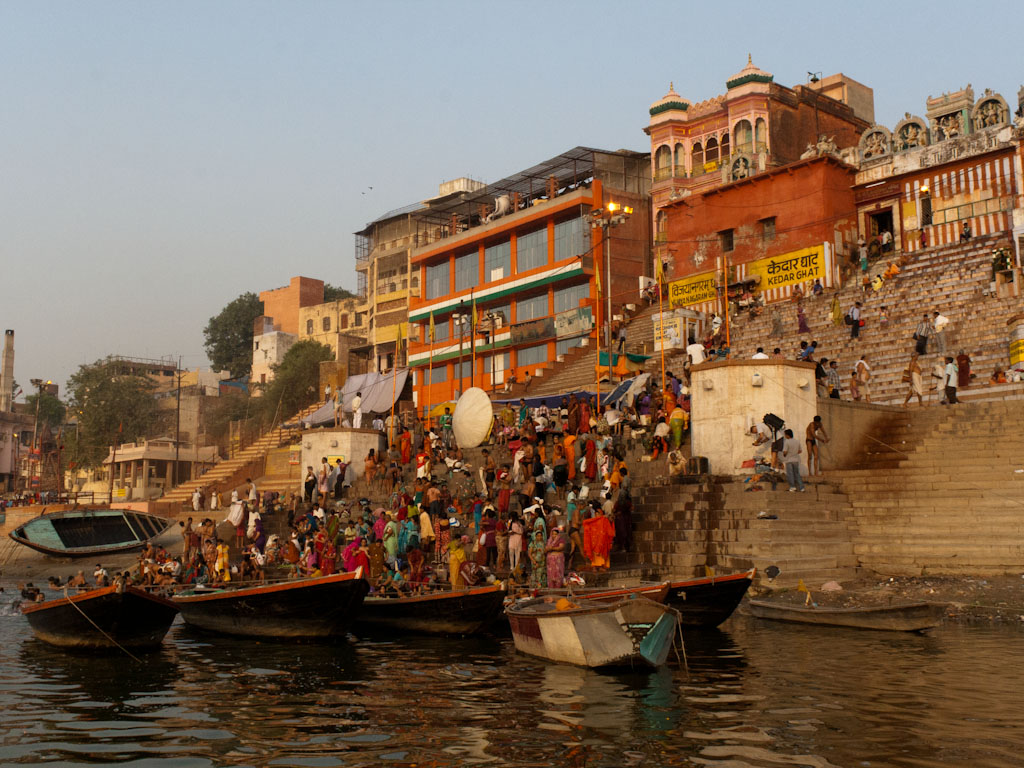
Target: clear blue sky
(160, 158)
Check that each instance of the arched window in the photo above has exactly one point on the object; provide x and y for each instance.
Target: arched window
(662, 222)
(761, 135)
(725, 146)
(680, 160)
(662, 163)
(711, 151)
(697, 159)
(743, 135)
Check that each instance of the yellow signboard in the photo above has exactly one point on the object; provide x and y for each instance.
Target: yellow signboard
(1016, 352)
(693, 290)
(789, 268)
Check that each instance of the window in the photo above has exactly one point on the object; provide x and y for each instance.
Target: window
(532, 355)
(531, 309)
(438, 374)
(744, 133)
(725, 237)
(467, 271)
(711, 151)
(572, 239)
(498, 262)
(569, 298)
(327, 323)
(725, 147)
(680, 160)
(564, 345)
(926, 211)
(467, 372)
(257, 345)
(309, 327)
(768, 229)
(437, 280)
(442, 330)
(532, 250)
(344, 322)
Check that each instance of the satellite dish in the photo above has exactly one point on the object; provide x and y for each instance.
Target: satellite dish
(473, 418)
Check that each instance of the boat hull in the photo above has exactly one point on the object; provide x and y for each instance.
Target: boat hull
(458, 612)
(102, 619)
(708, 602)
(909, 617)
(309, 608)
(90, 532)
(629, 633)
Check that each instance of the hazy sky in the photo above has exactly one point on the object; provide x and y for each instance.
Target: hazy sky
(159, 158)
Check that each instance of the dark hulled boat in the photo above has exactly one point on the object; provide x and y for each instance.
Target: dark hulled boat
(89, 532)
(302, 608)
(902, 617)
(444, 612)
(102, 619)
(708, 601)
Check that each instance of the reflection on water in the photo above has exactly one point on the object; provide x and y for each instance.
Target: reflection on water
(754, 694)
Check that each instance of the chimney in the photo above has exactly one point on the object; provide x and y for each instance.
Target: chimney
(7, 373)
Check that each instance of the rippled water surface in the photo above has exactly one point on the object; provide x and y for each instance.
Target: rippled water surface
(757, 694)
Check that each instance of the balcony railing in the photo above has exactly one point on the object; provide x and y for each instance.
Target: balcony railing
(662, 174)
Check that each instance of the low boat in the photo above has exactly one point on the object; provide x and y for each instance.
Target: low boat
(905, 617)
(708, 601)
(655, 592)
(630, 632)
(303, 608)
(444, 612)
(89, 532)
(102, 619)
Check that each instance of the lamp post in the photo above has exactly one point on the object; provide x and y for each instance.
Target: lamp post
(459, 318)
(36, 452)
(605, 218)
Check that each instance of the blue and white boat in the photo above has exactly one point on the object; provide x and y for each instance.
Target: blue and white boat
(88, 532)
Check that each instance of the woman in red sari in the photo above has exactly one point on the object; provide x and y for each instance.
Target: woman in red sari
(328, 558)
(598, 535)
(584, 425)
(590, 452)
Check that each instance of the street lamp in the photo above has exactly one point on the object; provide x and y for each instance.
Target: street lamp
(605, 218)
(459, 318)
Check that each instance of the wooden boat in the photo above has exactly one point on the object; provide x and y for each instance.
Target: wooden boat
(102, 619)
(905, 617)
(655, 592)
(302, 608)
(89, 532)
(710, 600)
(630, 632)
(444, 612)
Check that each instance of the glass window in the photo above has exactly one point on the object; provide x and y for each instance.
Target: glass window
(437, 280)
(467, 371)
(532, 250)
(532, 355)
(438, 374)
(327, 323)
(441, 330)
(569, 298)
(498, 262)
(531, 309)
(309, 326)
(467, 271)
(564, 345)
(572, 239)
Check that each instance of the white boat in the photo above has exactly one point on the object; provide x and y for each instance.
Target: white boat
(630, 632)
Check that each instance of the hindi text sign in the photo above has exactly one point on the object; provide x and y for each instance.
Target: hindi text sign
(789, 268)
(693, 290)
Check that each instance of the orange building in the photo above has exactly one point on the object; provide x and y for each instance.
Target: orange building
(804, 210)
(283, 304)
(524, 253)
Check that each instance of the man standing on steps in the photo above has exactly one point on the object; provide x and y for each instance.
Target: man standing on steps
(854, 315)
(791, 451)
(921, 334)
(939, 322)
(949, 378)
(357, 411)
(863, 371)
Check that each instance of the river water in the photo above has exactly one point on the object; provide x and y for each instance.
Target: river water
(756, 694)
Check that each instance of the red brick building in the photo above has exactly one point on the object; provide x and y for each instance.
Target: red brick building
(749, 225)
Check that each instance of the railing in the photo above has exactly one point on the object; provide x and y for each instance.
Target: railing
(662, 174)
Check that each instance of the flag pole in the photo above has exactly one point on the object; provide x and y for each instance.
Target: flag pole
(597, 335)
(472, 338)
(661, 312)
(394, 380)
(430, 366)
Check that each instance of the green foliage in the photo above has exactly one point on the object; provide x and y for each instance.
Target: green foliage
(296, 381)
(229, 335)
(227, 408)
(333, 293)
(51, 410)
(111, 406)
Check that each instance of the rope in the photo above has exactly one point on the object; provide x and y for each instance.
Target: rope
(98, 628)
(682, 645)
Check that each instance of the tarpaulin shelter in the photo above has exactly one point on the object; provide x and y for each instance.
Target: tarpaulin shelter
(379, 392)
(622, 364)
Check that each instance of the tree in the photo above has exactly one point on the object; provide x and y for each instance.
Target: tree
(296, 381)
(333, 293)
(111, 407)
(229, 335)
(51, 410)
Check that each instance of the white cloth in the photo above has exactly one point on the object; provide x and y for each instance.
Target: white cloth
(940, 323)
(237, 513)
(759, 356)
(357, 413)
(696, 353)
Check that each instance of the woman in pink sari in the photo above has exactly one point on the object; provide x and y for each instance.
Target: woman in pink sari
(555, 551)
(348, 555)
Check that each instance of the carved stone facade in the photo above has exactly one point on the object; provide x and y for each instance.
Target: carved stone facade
(875, 143)
(911, 132)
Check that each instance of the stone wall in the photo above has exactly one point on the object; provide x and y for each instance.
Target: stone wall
(350, 445)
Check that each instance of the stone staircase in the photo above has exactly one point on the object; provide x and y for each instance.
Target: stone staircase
(230, 473)
(945, 496)
(954, 280)
(680, 528)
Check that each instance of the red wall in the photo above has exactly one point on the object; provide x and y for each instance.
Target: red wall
(811, 200)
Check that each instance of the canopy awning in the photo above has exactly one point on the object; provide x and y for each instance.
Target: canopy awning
(378, 392)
